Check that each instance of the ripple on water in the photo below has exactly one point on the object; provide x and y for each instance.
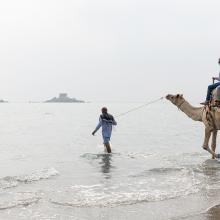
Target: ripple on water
(135, 189)
(13, 181)
(13, 200)
(127, 155)
(172, 176)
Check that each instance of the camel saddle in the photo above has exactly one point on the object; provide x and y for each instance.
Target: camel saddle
(215, 101)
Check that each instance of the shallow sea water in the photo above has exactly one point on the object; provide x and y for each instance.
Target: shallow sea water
(53, 168)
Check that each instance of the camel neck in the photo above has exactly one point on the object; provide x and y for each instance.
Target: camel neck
(195, 113)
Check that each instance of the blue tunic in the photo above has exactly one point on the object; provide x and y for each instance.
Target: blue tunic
(106, 124)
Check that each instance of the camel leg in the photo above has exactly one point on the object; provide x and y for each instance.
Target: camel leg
(213, 146)
(206, 143)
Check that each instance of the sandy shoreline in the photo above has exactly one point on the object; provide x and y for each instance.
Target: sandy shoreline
(212, 213)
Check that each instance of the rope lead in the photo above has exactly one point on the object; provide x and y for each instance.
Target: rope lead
(139, 107)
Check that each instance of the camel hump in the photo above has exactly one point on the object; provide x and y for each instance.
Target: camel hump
(216, 94)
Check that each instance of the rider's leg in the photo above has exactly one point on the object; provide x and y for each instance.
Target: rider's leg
(210, 89)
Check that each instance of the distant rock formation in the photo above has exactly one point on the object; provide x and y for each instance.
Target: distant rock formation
(63, 97)
(3, 101)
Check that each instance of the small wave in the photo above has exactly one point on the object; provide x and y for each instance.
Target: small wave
(38, 175)
(13, 181)
(128, 155)
(112, 200)
(181, 157)
(90, 156)
(193, 154)
(165, 170)
(18, 199)
(126, 193)
(138, 155)
(152, 185)
(8, 182)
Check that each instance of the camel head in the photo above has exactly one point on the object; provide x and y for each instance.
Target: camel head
(175, 99)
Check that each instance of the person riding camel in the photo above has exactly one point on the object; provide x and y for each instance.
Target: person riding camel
(211, 88)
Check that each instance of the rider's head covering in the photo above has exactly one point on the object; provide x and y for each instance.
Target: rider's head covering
(104, 110)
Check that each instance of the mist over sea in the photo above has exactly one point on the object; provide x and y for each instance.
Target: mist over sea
(53, 168)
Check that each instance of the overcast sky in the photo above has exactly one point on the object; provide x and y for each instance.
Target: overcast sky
(99, 50)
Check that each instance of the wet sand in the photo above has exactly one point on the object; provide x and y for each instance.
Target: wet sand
(212, 213)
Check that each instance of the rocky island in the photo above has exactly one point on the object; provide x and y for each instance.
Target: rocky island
(3, 101)
(63, 98)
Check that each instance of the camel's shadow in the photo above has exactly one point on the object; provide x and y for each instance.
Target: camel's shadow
(211, 168)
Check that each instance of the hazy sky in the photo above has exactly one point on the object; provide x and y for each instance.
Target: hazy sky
(99, 50)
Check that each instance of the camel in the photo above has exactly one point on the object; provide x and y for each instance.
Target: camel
(209, 115)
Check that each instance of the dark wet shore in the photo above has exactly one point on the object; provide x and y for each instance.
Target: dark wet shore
(212, 213)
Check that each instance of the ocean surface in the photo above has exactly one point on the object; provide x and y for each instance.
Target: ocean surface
(51, 167)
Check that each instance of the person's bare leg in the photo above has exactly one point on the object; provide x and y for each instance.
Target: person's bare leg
(108, 147)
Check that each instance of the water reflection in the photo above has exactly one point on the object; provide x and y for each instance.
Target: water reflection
(104, 161)
(211, 169)
(106, 165)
